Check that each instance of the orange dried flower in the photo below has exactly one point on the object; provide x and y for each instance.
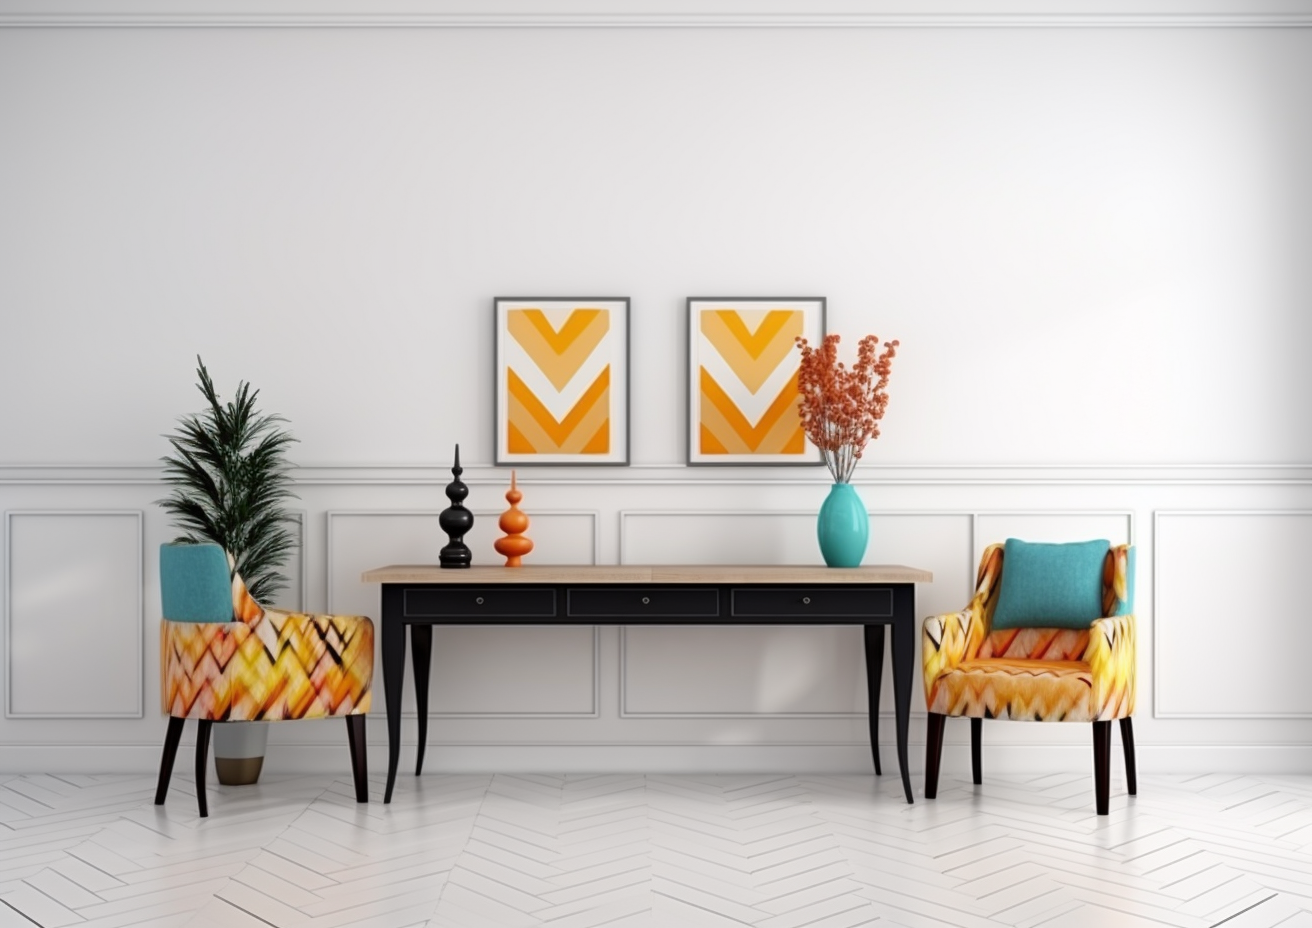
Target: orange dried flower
(841, 407)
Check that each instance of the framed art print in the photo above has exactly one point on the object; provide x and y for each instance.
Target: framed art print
(742, 379)
(562, 387)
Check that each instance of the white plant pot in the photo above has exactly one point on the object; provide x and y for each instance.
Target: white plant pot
(239, 751)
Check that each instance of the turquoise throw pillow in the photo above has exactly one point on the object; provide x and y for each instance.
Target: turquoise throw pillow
(194, 583)
(1050, 586)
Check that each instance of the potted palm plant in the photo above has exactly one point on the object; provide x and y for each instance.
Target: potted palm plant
(230, 478)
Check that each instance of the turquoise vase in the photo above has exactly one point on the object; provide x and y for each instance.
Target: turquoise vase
(843, 527)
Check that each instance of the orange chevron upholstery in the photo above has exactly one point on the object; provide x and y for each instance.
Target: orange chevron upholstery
(1034, 674)
(1029, 673)
(266, 665)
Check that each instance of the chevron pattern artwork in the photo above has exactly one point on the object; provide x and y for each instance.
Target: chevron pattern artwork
(742, 387)
(562, 381)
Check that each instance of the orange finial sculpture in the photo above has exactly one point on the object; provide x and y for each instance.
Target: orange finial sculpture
(514, 523)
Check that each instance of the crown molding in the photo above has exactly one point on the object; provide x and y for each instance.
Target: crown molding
(637, 14)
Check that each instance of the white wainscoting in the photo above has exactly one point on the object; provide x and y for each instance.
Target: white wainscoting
(1232, 635)
(73, 614)
(712, 698)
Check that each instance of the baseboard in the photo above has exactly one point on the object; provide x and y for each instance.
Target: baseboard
(1007, 759)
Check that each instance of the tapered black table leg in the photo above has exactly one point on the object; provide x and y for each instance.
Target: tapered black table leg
(359, 756)
(202, 756)
(393, 677)
(1102, 765)
(874, 678)
(904, 656)
(421, 646)
(171, 739)
(1127, 745)
(977, 750)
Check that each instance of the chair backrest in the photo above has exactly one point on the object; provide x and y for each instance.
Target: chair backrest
(194, 583)
(1053, 643)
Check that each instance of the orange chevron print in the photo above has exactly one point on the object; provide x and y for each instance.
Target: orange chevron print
(744, 382)
(584, 430)
(558, 353)
(753, 356)
(724, 427)
(562, 382)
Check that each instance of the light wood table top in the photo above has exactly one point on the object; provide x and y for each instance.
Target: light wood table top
(623, 573)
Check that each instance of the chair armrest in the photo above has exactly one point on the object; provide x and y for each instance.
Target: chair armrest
(957, 636)
(1112, 657)
(946, 642)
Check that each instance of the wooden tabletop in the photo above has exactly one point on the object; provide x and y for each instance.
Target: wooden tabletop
(611, 573)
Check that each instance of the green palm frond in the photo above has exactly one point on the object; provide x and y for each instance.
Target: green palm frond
(230, 479)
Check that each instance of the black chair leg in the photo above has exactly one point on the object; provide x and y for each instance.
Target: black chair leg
(976, 750)
(933, 752)
(359, 756)
(1102, 765)
(202, 755)
(171, 739)
(1127, 744)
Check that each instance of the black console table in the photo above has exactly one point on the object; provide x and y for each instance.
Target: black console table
(423, 596)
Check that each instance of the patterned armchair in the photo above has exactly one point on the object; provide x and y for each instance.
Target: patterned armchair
(1034, 674)
(225, 658)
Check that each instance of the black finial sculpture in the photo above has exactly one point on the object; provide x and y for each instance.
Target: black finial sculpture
(456, 520)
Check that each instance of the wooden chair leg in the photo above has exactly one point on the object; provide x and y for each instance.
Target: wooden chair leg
(202, 755)
(1102, 765)
(1127, 744)
(976, 750)
(171, 739)
(933, 752)
(359, 756)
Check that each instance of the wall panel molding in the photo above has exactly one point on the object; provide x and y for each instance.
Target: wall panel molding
(677, 475)
(1240, 610)
(132, 664)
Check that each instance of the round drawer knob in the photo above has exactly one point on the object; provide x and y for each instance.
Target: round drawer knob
(806, 600)
(646, 600)
(478, 600)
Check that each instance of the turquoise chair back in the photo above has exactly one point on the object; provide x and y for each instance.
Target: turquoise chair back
(194, 583)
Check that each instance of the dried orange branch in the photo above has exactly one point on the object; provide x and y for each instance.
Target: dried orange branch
(841, 407)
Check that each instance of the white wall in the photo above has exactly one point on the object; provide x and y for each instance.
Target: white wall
(1090, 237)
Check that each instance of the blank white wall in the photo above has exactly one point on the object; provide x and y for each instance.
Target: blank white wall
(1092, 243)
(1101, 231)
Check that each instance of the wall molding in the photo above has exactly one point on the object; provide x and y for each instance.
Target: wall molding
(140, 517)
(195, 16)
(679, 475)
(655, 757)
(1157, 617)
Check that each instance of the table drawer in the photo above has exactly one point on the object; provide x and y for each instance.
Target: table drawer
(813, 601)
(473, 602)
(664, 602)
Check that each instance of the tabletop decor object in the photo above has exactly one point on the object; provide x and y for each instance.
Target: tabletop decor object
(742, 379)
(514, 523)
(562, 380)
(841, 408)
(229, 478)
(456, 520)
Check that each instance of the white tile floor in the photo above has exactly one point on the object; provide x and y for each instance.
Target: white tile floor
(774, 851)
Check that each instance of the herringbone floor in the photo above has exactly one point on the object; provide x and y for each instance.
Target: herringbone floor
(773, 851)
